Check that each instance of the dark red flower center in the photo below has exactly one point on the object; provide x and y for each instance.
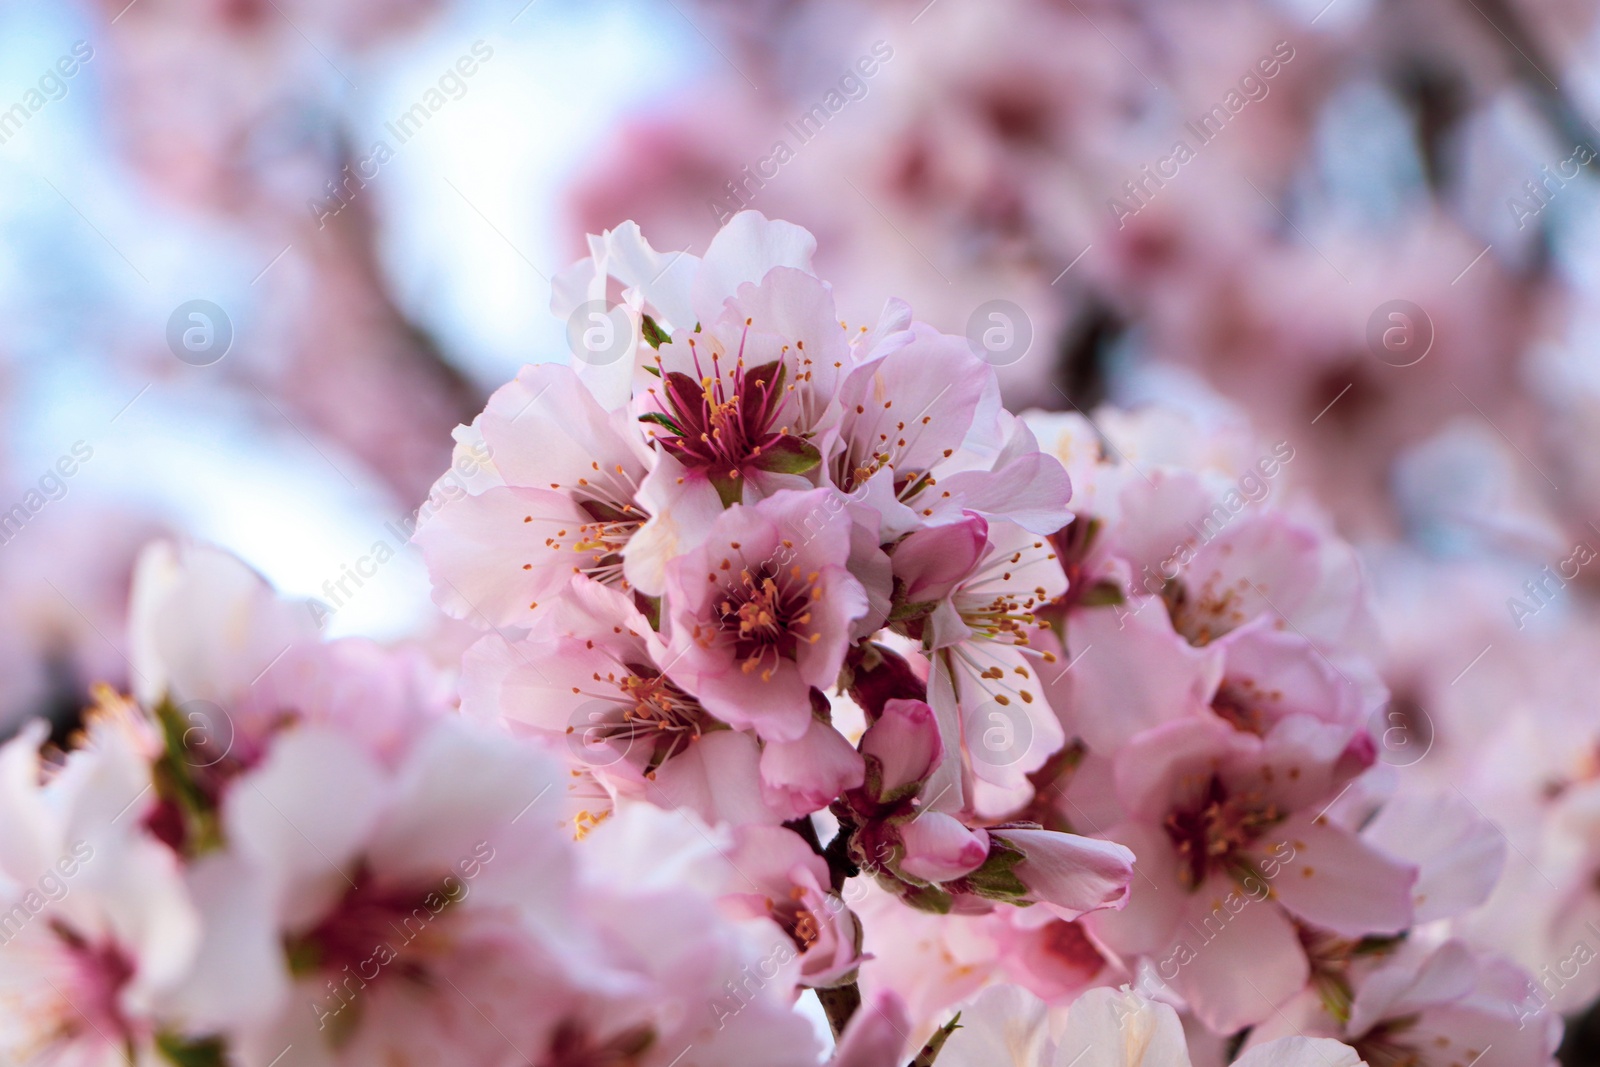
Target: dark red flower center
(767, 616)
(726, 422)
(1212, 833)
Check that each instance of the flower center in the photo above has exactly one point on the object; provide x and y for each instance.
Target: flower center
(1212, 834)
(1385, 1046)
(598, 544)
(374, 930)
(98, 972)
(1240, 709)
(767, 617)
(721, 420)
(797, 920)
(573, 1045)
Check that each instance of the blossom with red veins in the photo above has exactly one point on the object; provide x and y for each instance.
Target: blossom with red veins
(587, 678)
(1234, 846)
(736, 410)
(739, 407)
(587, 681)
(225, 665)
(347, 892)
(791, 887)
(970, 590)
(98, 925)
(678, 289)
(1427, 1004)
(554, 492)
(906, 409)
(761, 612)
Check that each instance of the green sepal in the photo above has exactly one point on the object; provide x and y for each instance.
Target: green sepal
(654, 335)
(1102, 594)
(789, 455)
(996, 880)
(192, 1052)
(172, 777)
(730, 490)
(902, 612)
(661, 419)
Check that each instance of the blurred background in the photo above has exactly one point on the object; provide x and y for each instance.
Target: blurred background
(258, 257)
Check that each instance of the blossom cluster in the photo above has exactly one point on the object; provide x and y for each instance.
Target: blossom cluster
(805, 669)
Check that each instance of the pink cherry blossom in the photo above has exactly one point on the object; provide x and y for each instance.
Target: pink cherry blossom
(761, 612)
(547, 507)
(1436, 1004)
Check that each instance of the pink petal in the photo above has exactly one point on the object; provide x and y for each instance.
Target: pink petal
(1301, 1052)
(903, 746)
(743, 251)
(1073, 874)
(939, 848)
(800, 777)
(1132, 660)
(1458, 852)
(478, 549)
(875, 1035)
(931, 561)
(1337, 881)
(717, 778)
(1156, 898)
(1235, 958)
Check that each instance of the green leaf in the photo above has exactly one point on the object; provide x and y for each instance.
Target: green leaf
(650, 607)
(303, 956)
(653, 333)
(927, 898)
(197, 1052)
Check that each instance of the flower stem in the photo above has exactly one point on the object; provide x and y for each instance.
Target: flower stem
(840, 1003)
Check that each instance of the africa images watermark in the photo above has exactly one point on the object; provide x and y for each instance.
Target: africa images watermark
(1542, 192)
(452, 486)
(851, 86)
(50, 888)
(1538, 993)
(450, 891)
(451, 85)
(52, 86)
(1253, 88)
(1550, 581)
(52, 486)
